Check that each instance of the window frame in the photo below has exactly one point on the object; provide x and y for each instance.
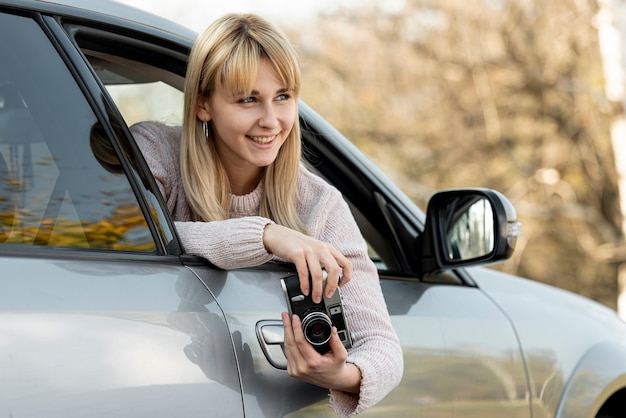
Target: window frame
(65, 31)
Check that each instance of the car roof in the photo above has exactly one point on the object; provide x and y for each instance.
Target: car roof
(108, 12)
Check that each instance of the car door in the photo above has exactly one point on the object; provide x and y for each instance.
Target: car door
(98, 316)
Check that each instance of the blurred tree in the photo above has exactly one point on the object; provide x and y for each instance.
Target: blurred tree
(611, 21)
(495, 93)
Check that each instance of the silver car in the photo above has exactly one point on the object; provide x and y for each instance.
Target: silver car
(103, 315)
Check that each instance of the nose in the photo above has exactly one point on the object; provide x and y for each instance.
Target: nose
(268, 117)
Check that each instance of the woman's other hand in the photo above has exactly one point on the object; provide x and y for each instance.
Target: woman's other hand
(329, 370)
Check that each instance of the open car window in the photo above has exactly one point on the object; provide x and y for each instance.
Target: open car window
(147, 86)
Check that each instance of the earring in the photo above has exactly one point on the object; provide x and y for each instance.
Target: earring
(205, 128)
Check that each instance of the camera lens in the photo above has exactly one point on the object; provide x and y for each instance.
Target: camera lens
(317, 328)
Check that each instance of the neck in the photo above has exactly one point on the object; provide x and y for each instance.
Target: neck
(242, 185)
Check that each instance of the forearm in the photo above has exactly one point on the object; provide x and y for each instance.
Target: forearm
(349, 380)
(229, 244)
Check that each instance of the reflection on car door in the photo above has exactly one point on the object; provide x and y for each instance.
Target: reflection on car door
(115, 338)
(462, 357)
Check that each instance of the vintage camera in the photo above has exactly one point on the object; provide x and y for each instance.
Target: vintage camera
(317, 318)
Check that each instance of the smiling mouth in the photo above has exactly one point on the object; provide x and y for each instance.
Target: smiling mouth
(263, 140)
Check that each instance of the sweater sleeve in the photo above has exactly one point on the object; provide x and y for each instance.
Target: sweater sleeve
(159, 145)
(229, 244)
(376, 349)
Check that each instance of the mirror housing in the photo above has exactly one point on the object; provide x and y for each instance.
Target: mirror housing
(466, 227)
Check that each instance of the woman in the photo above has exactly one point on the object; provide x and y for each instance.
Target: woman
(239, 195)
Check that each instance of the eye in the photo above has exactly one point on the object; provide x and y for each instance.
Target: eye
(249, 99)
(283, 96)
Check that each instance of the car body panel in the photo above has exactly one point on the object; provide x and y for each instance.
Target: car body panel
(110, 338)
(125, 333)
(599, 374)
(461, 353)
(560, 333)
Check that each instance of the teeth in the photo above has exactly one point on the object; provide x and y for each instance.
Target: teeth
(262, 139)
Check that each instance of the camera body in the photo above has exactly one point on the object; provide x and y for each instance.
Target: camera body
(317, 318)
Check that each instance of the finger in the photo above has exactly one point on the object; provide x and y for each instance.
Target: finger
(332, 279)
(346, 272)
(303, 275)
(289, 345)
(298, 333)
(335, 271)
(288, 338)
(305, 348)
(337, 348)
(317, 279)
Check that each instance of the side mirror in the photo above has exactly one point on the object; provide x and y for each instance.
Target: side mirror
(466, 227)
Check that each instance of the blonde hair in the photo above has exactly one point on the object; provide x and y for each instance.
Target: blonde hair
(226, 56)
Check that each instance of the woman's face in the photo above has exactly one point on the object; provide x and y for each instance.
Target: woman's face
(249, 130)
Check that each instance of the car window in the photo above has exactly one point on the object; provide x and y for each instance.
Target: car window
(150, 101)
(53, 190)
(143, 84)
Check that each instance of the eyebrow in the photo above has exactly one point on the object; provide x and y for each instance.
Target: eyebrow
(279, 91)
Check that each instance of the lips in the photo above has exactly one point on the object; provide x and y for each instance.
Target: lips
(263, 140)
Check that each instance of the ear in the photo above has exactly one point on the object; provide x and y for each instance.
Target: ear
(203, 110)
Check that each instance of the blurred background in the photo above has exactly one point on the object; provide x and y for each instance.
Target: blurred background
(491, 93)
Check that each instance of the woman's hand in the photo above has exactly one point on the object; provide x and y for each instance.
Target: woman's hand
(329, 370)
(309, 255)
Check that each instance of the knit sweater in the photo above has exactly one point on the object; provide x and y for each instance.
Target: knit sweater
(238, 242)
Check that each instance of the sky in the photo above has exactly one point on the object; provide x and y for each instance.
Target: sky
(198, 14)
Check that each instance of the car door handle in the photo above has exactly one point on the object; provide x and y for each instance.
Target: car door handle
(271, 335)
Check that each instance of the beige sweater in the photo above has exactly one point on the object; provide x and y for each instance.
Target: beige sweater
(238, 242)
